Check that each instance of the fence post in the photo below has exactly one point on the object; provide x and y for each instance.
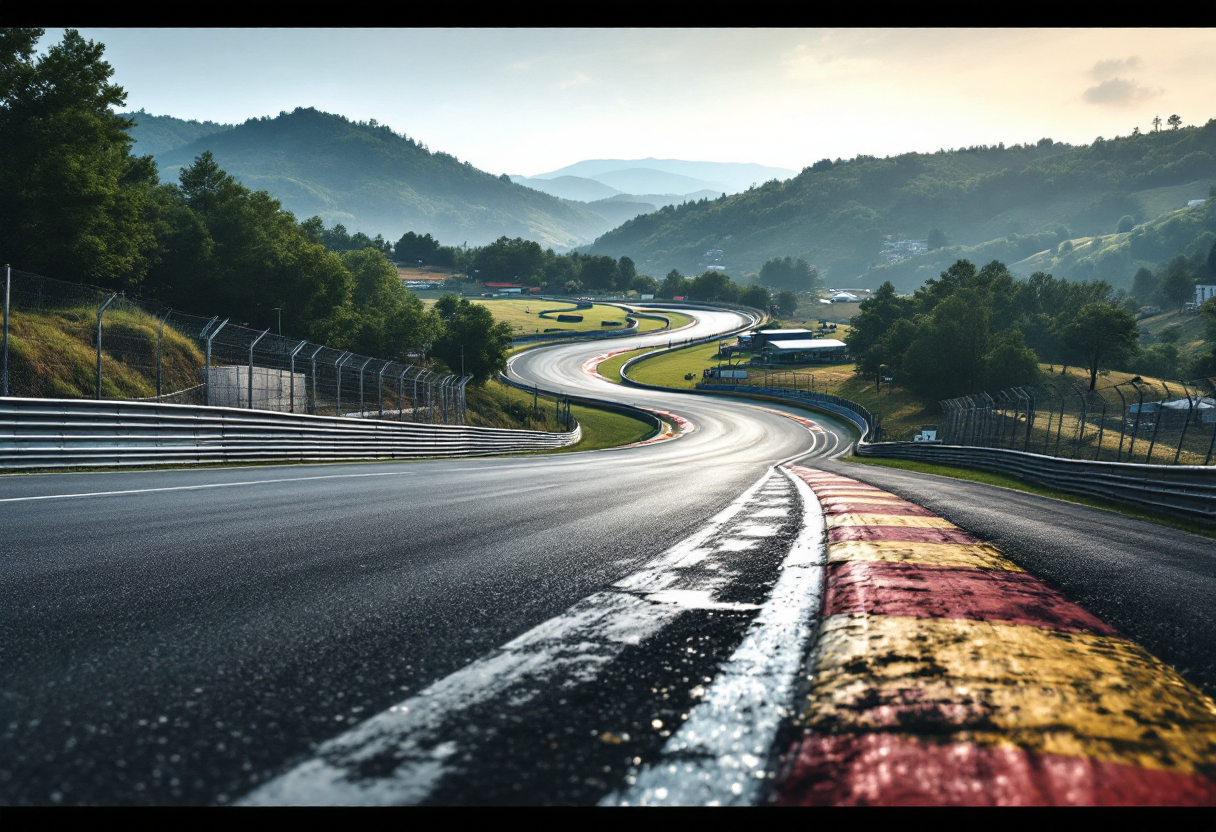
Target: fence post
(1157, 423)
(160, 352)
(291, 381)
(8, 280)
(101, 312)
(380, 387)
(1131, 449)
(1076, 448)
(338, 373)
(312, 359)
(415, 399)
(251, 346)
(1190, 408)
(464, 406)
(362, 409)
(1101, 428)
(401, 394)
(1122, 421)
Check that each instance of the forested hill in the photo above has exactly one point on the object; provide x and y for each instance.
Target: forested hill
(844, 216)
(155, 135)
(368, 177)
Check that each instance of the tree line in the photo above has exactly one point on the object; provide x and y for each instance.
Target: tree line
(975, 329)
(79, 206)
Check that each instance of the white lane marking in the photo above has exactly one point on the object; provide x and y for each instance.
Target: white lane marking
(391, 759)
(199, 487)
(719, 755)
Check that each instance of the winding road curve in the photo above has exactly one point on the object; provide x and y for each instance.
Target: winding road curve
(577, 628)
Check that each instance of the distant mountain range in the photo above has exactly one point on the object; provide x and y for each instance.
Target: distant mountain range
(671, 175)
(373, 180)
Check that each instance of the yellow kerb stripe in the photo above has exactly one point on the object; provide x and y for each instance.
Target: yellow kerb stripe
(1045, 691)
(960, 555)
(887, 520)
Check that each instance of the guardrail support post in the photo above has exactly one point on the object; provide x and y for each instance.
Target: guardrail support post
(8, 280)
(101, 312)
(1122, 422)
(251, 346)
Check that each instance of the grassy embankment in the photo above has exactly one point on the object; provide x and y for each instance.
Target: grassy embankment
(499, 405)
(1004, 481)
(53, 354)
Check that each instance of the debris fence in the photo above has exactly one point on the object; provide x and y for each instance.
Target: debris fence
(1160, 422)
(66, 341)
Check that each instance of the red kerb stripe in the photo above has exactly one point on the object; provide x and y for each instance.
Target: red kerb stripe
(922, 591)
(891, 770)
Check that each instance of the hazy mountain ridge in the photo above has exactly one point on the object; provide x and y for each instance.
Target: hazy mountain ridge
(374, 180)
(839, 215)
(155, 135)
(729, 177)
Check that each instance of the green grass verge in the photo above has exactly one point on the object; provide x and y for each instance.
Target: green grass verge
(607, 428)
(1006, 481)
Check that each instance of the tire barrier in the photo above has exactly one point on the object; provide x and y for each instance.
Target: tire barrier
(57, 433)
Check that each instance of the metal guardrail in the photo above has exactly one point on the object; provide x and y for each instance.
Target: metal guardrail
(588, 401)
(58, 433)
(861, 418)
(1183, 491)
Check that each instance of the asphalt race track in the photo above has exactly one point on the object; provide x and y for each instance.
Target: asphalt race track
(509, 630)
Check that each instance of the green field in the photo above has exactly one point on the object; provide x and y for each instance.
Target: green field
(524, 315)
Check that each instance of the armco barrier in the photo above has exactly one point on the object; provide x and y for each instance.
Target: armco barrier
(1183, 491)
(861, 418)
(72, 433)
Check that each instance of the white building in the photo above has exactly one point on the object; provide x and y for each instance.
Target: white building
(1204, 292)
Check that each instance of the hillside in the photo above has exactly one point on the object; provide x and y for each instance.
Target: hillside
(1015, 201)
(155, 135)
(374, 180)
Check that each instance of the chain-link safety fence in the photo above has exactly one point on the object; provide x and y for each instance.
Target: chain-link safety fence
(67, 341)
(1157, 422)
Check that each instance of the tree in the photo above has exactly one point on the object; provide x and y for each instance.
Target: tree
(599, 273)
(471, 337)
(947, 356)
(1156, 124)
(787, 303)
(756, 297)
(644, 284)
(937, 239)
(1126, 223)
(1177, 284)
(1174, 121)
(75, 202)
(1099, 333)
(626, 271)
(712, 285)
(674, 285)
(789, 273)
(1145, 286)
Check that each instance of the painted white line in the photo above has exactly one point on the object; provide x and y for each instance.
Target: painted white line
(200, 487)
(398, 756)
(720, 754)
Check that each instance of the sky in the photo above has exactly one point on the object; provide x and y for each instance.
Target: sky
(528, 101)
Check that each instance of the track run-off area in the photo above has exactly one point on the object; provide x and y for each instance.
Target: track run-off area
(730, 615)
